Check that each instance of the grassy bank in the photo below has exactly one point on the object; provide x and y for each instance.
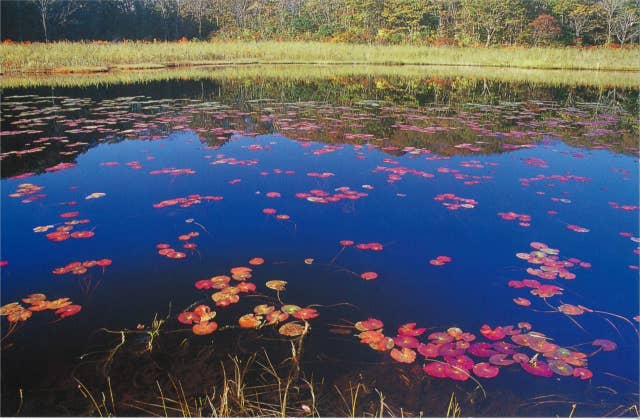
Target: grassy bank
(602, 79)
(92, 57)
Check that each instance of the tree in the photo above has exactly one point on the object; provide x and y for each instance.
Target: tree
(56, 12)
(610, 9)
(544, 27)
(403, 14)
(199, 10)
(581, 20)
(625, 25)
(494, 16)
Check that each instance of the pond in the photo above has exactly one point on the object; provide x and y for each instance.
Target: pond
(440, 245)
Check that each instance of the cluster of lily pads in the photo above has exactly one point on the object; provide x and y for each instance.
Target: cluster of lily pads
(62, 233)
(79, 268)
(187, 201)
(172, 171)
(323, 197)
(166, 251)
(524, 219)
(551, 266)
(273, 212)
(15, 312)
(29, 191)
(262, 315)
(456, 354)
(453, 202)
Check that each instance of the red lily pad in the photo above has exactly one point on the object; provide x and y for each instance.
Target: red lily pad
(568, 309)
(440, 337)
(456, 373)
(403, 356)
(461, 360)
(485, 370)
(522, 301)
(82, 234)
(520, 358)
(58, 236)
(246, 287)
(369, 324)
(504, 347)
(411, 330)
(501, 359)
(204, 328)
(256, 261)
(453, 349)
(368, 337)
(429, 350)
(249, 321)
(435, 369)
(605, 345)
(492, 334)
(537, 368)
(582, 373)
(406, 341)
(68, 311)
(305, 313)
(188, 318)
(481, 349)
(369, 275)
(276, 316)
(203, 284)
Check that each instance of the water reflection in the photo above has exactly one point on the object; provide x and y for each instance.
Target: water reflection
(486, 212)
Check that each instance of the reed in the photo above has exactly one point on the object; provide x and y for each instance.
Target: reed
(74, 57)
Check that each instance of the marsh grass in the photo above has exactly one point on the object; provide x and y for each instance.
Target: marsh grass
(604, 79)
(39, 57)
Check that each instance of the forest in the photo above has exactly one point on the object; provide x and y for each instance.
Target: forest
(416, 22)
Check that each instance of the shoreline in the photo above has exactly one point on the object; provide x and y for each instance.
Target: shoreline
(131, 74)
(168, 66)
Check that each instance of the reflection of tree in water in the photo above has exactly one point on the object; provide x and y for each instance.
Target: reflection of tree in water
(346, 109)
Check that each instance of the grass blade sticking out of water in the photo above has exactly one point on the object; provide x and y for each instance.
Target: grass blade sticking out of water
(454, 409)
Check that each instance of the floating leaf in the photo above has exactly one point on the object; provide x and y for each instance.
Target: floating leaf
(188, 318)
(537, 368)
(582, 373)
(561, 368)
(492, 334)
(369, 324)
(278, 285)
(305, 313)
(404, 341)
(276, 317)
(404, 355)
(68, 311)
(485, 370)
(256, 261)
(411, 330)
(292, 329)
(435, 369)
(263, 309)
(568, 309)
(204, 328)
(605, 345)
(501, 359)
(250, 321)
(369, 275)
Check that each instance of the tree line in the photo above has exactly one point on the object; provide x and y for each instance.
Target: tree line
(426, 22)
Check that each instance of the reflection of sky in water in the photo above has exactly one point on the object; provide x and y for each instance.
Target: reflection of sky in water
(414, 228)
